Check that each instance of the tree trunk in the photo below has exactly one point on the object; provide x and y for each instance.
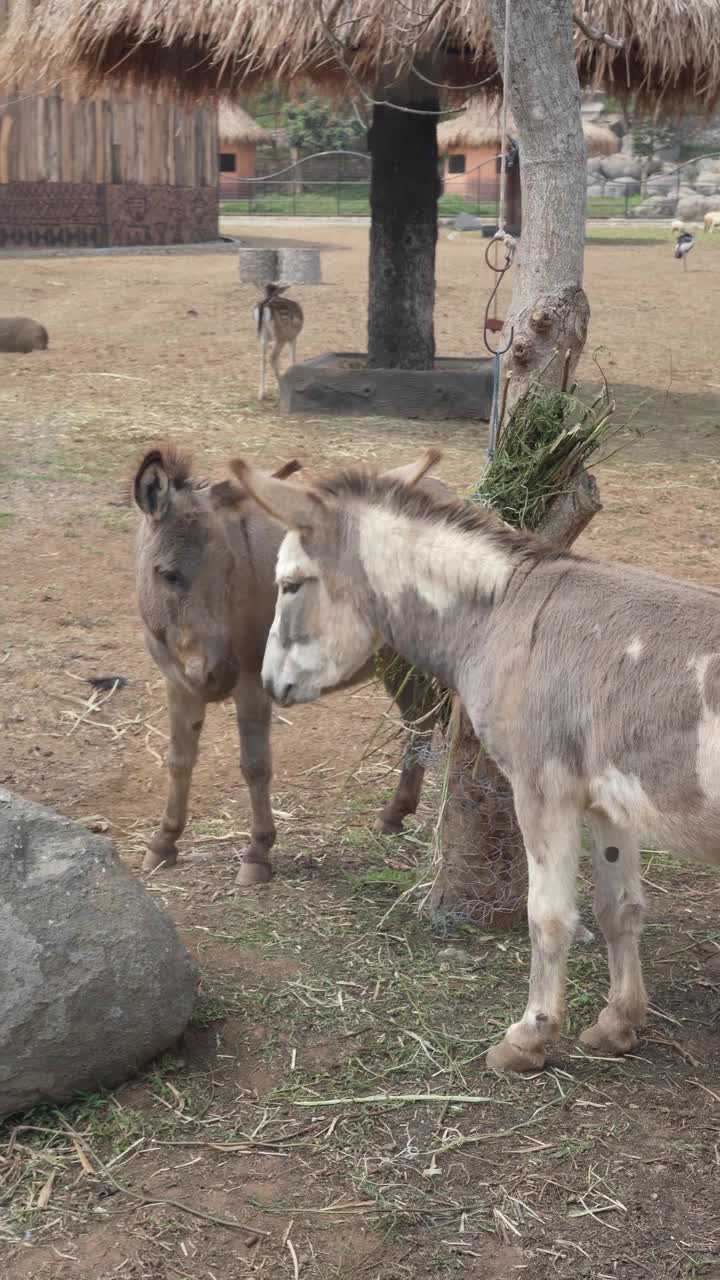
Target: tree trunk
(644, 173)
(404, 190)
(482, 871)
(549, 310)
(482, 875)
(296, 180)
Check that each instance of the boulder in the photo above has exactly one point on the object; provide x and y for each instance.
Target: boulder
(622, 187)
(468, 222)
(594, 165)
(662, 184)
(708, 184)
(94, 980)
(693, 208)
(656, 207)
(619, 166)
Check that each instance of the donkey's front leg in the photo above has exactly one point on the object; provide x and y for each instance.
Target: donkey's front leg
(552, 843)
(254, 711)
(263, 361)
(187, 714)
(418, 716)
(406, 797)
(619, 907)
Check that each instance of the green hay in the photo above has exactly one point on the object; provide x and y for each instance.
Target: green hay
(549, 436)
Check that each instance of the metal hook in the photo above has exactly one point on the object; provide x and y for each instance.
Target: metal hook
(500, 351)
(499, 272)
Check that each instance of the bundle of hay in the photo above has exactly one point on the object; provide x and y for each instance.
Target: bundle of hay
(550, 436)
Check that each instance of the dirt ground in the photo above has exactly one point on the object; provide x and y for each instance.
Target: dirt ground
(254, 1149)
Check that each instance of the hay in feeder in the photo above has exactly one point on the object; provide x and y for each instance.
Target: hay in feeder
(549, 436)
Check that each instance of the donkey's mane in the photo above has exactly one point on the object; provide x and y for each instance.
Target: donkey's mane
(419, 503)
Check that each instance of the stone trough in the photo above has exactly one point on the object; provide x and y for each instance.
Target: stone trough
(340, 383)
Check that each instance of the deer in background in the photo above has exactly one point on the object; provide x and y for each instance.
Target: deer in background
(278, 321)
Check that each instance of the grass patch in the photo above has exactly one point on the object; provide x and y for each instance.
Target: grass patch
(208, 1009)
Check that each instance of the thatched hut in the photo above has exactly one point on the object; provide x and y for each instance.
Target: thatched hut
(240, 136)
(402, 53)
(121, 167)
(471, 142)
(671, 48)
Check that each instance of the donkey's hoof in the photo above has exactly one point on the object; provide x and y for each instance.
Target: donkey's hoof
(507, 1056)
(154, 858)
(615, 1039)
(388, 826)
(252, 873)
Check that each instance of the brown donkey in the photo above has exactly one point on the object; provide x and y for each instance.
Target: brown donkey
(595, 687)
(206, 588)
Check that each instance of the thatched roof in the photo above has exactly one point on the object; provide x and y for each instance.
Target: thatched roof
(479, 126)
(235, 127)
(671, 47)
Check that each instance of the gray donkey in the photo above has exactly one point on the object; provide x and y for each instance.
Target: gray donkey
(206, 588)
(595, 687)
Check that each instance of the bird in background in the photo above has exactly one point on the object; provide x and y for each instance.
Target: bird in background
(684, 243)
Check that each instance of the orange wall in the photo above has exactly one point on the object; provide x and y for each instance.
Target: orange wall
(480, 171)
(244, 163)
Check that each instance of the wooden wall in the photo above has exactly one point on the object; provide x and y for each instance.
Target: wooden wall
(110, 138)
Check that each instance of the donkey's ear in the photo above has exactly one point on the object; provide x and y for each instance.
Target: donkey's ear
(287, 469)
(413, 472)
(233, 498)
(290, 504)
(151, 486)
(162, 469)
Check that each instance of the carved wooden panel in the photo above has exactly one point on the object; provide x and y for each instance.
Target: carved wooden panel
(60, 215)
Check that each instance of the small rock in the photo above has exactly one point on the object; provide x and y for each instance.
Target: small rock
(454, 956)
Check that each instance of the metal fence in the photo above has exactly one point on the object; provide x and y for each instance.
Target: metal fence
(289, 193)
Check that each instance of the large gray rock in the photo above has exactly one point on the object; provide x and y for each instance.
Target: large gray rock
(468, 222)
(693, 208)
(94, 980)
(662, 184)
(619, 166)
(622, 187)
(656, 207)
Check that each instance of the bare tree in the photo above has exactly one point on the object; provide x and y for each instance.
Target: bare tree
(549, 310)
(482, 866)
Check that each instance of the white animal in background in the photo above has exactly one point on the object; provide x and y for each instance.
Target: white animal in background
(711, 221)
(677, 227)
(278, 322)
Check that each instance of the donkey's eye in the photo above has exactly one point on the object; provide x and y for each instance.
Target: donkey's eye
(172, 578)
(290, 588)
